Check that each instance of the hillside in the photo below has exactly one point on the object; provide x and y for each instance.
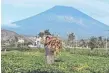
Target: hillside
(10, 36)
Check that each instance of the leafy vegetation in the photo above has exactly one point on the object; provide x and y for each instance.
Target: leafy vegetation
(93, 43)
(73, 61)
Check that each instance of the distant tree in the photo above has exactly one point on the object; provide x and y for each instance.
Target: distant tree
(83, 43)
(46, 32)
(16, 41)
(108, 42)
(100, 42)
(41, 34)
(92, 42)
(29, 43)
(16, 38)
(71, 38)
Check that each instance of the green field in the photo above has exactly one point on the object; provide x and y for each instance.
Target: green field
(67, 62)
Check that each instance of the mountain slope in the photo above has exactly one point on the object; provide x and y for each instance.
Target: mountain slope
(61, 19)
(10, 36)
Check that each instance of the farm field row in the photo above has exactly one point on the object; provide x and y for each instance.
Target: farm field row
(34, 62)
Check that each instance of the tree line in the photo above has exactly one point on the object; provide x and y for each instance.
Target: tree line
(91, 42)
(72, 41)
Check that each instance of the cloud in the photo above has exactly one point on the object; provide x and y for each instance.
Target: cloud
(10, 25)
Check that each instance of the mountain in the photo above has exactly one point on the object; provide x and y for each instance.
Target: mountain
(10, 36)
(61, 19)
(7, 35)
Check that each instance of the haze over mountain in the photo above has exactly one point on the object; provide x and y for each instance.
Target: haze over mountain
(61, 19)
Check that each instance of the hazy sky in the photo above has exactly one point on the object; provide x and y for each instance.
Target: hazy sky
(14, 10)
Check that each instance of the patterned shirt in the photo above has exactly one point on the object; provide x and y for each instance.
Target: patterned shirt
(48, 51)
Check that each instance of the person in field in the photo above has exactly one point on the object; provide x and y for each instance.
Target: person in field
(52, 47)
(48, 52)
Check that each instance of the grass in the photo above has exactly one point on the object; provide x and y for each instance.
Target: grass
(68, 62)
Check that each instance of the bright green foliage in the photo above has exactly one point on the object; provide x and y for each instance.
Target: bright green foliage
(34, 62)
